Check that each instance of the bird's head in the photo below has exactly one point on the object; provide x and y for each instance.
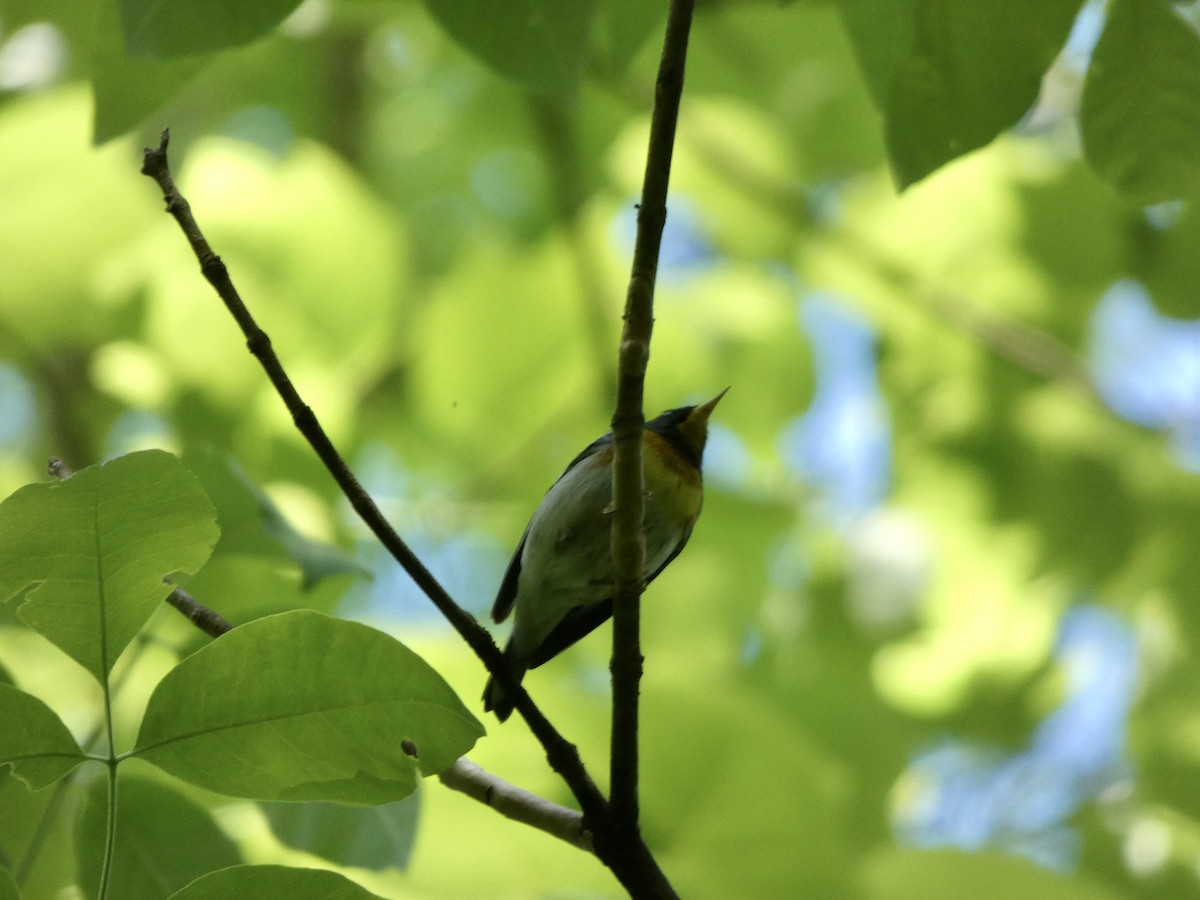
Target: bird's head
(687, 427)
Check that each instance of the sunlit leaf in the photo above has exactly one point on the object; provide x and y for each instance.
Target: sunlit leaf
(164, 840)
(8, 887)
(89, 554)
(33, 740)
(308, 708)
(273, 883)
(1140, 112)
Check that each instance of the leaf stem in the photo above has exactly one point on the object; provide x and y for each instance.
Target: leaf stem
(110, 837)
(50, 812)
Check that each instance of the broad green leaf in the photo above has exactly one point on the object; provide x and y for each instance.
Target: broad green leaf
(273, 883)
(128, 90)
(973, 70)
(164, 840)
(75, 19)
(1140, 112)
(8, 887)
(156, 29)
(540, 44)
(33, 740)
(621, 29)
(96, 547)
(881, 32)
(301, 706)
(374, 837)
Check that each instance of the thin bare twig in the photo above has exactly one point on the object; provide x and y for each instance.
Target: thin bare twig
(207, 620)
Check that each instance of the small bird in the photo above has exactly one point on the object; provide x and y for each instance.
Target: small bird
(560, 579)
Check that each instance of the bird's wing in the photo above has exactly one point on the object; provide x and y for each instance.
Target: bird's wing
(583, 620)
(579, 622)
(683, 539)
(506, 596)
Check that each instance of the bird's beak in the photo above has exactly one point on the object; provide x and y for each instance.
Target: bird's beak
(704, 410)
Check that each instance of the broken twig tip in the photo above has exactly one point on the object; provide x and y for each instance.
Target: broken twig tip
(155, 159)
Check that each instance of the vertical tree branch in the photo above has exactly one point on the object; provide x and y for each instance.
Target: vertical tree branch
(628, 542)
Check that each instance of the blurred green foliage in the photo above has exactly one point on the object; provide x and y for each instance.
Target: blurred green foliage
(433, 221)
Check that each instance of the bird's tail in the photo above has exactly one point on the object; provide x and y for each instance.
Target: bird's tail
(495, 698)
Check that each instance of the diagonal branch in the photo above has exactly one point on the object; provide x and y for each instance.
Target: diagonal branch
(626, 855)
(155, 166)
(628, 541)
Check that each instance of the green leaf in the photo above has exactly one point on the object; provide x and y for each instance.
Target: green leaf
(317, 560)
(34, 740)
(128, 90)
(8, 887)
(1140, 112)
(374, 837)
(972, 71)
(881, 33)
(621, 29)
(541, 44)
(308, 708)
(164, 840)
(251, 523)
(96, 547)
(273, 883)
(156, 29)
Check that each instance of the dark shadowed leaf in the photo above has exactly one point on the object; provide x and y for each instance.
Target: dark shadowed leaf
(971, 70)
(1140, 113)
(373, 837)
(251, 523)
(164, 840)
(156, 29)
(273, 883)
(127, 90)
(538, 43)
